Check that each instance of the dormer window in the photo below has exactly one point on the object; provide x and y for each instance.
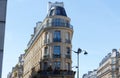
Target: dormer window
(57, 10)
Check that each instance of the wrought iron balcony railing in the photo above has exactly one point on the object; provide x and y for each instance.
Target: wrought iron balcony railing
(56, 39)
(67, 41)
(47, 41)
(68, 56)
(56, 56)
(46, 57)
(54, 24)
(56, 72)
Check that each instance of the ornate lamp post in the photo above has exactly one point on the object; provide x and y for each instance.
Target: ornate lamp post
(78, 52)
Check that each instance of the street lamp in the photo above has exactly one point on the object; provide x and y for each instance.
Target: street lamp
(78, 52)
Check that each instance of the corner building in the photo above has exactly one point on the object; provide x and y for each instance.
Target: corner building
(49, 50)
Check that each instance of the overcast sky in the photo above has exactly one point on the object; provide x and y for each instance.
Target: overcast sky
(96, 29)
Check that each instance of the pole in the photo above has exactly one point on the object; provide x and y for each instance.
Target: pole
(78, 65)
(78, 52)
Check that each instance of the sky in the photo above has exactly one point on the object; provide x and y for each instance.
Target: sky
(96, 26)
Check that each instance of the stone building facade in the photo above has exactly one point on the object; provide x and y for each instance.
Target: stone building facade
(49, 50)
(17, 71)
(90, 74)
(109, 67)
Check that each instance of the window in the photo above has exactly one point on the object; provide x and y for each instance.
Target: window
(68, 37)
(46, 50)
(68, 53)
(15, 74)
(67, 23)
(45, 66)
(47, 22)
(52, 12)
(58, 12)
(118, 69)
(58, 22)
(68, 66)
(68, 50)
(113, 68)
(46, 53)
(56, 52)
(46, 37)
(57, 65)
(57, 36)
(113, 60)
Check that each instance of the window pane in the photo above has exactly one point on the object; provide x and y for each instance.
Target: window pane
(57, 65)
(68, 50)
(57, 50)
(68, 66)
(46, 50)
(67, 35)
(58, 12)
(57, 36)
(46, 36)
(45, 66)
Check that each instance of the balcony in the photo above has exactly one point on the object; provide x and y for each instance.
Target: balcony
(47, 41)
(56, 39)
(56, 56)
(46, 57)
(56, 73)
(52, 73)
(67, 41)
(58, 24)
(68, 56)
